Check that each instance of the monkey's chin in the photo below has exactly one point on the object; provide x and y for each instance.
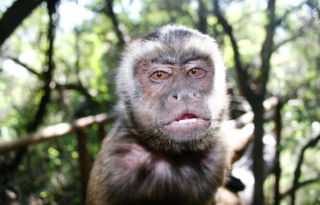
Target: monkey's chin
(189, 129)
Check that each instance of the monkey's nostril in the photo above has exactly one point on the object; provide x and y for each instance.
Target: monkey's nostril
(175, 96)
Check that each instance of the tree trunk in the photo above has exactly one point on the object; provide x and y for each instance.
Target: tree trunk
(257, 154)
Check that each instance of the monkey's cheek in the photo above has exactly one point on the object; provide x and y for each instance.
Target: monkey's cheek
(187, 131)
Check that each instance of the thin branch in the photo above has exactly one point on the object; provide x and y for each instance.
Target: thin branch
(297, 173)
(297, 34)
(313, 5)
(299, 185)
(292, 38)
(77, 87)
(28, 68)
(243, 75)
(118, 26)
(48, 75)
(288, 11)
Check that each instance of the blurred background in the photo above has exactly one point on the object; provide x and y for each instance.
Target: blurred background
(57, 64)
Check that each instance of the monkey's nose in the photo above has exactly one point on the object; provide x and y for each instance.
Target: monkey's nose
(184, 96)
(196, 95)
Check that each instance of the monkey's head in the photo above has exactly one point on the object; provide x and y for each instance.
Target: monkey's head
(172, 89)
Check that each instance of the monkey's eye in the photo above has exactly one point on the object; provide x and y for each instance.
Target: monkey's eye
(195, 72)
(159, 75)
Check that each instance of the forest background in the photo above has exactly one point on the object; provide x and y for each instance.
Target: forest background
(57, 64)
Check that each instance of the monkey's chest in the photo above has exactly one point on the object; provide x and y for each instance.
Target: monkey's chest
(143, 178)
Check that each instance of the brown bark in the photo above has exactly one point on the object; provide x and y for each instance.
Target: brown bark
(258, 162)
(277, 168)
(84, 159)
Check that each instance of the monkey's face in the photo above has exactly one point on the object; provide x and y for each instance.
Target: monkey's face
(176, 93)
(172, 96)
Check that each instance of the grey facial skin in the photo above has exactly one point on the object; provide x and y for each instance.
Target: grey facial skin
(166, 147)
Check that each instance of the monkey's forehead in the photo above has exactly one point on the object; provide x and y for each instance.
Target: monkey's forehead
(171, 33)
(176, 51)
(173, 56)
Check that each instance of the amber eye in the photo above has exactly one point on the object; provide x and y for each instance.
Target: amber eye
(159, 75)
(195, 72)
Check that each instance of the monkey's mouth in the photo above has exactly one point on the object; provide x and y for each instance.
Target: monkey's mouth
(187, 125)
(187, 118)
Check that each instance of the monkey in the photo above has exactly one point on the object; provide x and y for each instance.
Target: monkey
(166, 146)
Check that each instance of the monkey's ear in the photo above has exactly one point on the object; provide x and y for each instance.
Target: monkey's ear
(234, 184)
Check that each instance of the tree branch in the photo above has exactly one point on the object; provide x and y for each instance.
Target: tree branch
(48, 75)
(55, 131)
(118, 26)
(299, 185)
(28, 68)
(292, 38)
(14, 16)
(277, 166)
(243, 75)
(288, 11)
(77, 87)
(267, 46)
(298, 34)
(202, 14)
(313, 5)
(297, 173)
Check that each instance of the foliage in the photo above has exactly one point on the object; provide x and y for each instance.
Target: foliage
(86, 55)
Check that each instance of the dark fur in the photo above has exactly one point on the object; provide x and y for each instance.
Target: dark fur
(142, 161)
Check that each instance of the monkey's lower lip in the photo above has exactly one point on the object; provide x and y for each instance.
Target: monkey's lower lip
(187, 125)
(192, 120)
